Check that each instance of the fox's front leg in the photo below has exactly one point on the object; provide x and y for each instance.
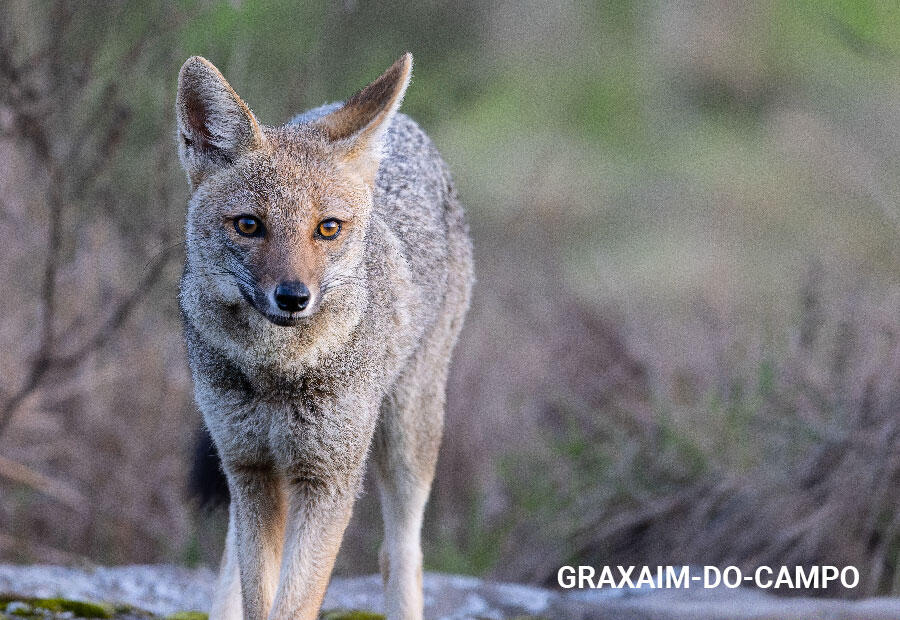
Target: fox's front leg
(258, 519)
(226, 604)
(316, 523)
(323, 472)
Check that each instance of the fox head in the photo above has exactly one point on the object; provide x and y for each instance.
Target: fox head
(278, 215)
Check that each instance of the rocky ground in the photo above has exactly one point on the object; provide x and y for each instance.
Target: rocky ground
(173, 593)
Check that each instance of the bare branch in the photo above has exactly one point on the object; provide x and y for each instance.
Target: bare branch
(42, 551)
(119, 315)
(45, 361)
(91, 171)
(32, 123)
(55, 489)
(7, 214)
(48, 284)
(38, 369)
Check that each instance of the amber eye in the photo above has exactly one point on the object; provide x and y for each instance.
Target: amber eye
(248, 226)
(329, 229)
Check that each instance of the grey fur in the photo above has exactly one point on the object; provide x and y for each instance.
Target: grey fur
(295, 410)
(314, 114)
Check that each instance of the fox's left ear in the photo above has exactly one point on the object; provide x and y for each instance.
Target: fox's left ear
(360, 124)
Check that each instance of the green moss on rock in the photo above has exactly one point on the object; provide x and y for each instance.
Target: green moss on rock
(19, 608)
(80, 609)
(350, 614)
(24, 608)
(39, 607)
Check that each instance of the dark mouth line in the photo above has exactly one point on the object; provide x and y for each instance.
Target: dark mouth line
(280, 321)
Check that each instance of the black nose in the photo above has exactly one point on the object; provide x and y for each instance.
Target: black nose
(292, 296)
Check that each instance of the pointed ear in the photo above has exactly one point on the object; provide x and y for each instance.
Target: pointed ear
(360, 124)
(215, 126)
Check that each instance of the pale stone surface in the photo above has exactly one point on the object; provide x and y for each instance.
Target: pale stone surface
(166, 589)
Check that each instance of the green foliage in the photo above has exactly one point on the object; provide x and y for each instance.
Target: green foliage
(81, 609)
(475, 554)
(39, 606)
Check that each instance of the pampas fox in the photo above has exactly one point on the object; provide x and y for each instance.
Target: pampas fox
(327, 275)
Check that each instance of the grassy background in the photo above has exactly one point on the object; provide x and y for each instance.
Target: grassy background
(683, 343)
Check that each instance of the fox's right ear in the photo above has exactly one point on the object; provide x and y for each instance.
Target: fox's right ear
(215, 126)
(359, 125)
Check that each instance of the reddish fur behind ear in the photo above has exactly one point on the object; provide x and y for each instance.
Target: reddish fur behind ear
(363, 119)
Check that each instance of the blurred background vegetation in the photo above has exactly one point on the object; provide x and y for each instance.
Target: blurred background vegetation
(683, 345)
